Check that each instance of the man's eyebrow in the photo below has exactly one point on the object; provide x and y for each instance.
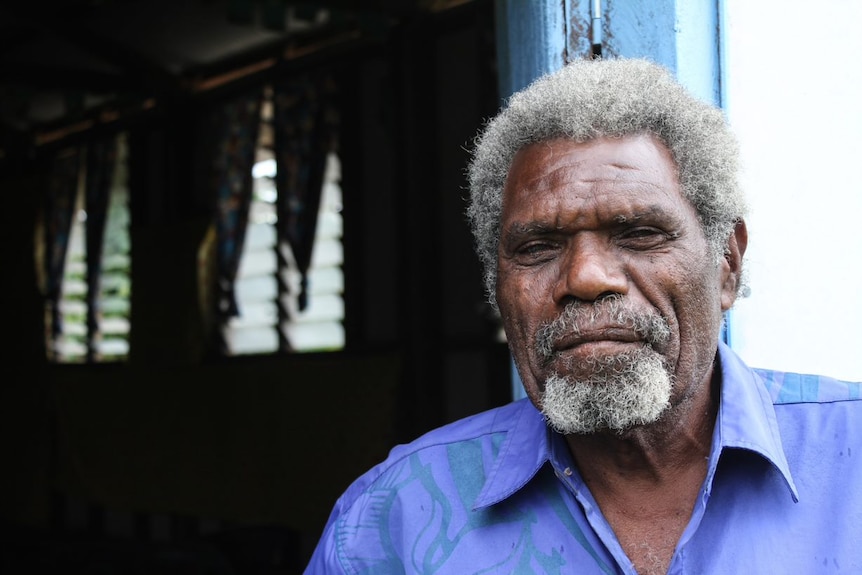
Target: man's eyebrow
(635, 217)
(523, 229)
(652, 211)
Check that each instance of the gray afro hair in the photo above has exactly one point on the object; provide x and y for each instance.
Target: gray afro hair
(587, 99)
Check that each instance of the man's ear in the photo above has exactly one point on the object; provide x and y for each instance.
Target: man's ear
(732, 265)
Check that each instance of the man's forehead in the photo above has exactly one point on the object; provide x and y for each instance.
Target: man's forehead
(561, 158)
(634, 173)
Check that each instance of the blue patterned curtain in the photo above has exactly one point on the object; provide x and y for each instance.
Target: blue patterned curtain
(306, 130)
(237, 124)
(62, 187)
(101, 164)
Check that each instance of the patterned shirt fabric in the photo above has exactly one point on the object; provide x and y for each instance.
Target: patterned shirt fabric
(498, 492)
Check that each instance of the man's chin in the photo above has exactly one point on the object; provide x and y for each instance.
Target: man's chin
(626, 392)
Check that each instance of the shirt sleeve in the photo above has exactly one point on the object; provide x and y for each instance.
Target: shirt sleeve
(324, 560)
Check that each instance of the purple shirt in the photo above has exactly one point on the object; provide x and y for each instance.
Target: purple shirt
(499, 493)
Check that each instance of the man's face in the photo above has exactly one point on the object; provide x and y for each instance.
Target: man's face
(605, 278)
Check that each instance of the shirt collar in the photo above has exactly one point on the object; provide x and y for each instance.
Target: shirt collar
(746, 420)
(746, 417)
(523, 452)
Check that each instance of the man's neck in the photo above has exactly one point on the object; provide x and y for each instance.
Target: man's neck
(646, 480)
(680, 440)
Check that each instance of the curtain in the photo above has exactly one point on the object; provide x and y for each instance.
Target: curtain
(306, 131)
(237, 124)
(101, 163)
(62, 187)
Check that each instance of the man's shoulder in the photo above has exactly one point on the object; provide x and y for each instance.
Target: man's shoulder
(435, 478)
(494, 420)
(440, 444)
(788, 388)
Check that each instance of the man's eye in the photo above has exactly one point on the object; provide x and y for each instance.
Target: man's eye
(535, 252)
(644, 237)
(642, 232)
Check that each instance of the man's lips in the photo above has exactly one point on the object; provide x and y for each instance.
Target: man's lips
(596, 335)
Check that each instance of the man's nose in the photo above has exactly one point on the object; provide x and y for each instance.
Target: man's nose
(590, 271)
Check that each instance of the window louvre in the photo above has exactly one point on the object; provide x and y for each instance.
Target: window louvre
(108, 338)
(267, 285)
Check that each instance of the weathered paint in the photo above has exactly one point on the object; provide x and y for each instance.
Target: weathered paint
(534, 38)
(531, 41)
(698, 48)
(682, 35)
(579, 27)
(641, 29)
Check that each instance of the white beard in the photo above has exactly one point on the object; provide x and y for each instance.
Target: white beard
(622, 391)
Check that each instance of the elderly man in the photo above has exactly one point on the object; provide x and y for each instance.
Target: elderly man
(606, 212)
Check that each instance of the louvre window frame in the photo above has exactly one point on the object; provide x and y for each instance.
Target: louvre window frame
(266, 287)
(110, 341)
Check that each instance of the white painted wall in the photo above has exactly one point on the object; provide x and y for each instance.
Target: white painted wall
(793, 91)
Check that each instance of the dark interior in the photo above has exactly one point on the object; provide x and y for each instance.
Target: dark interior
(180, 460)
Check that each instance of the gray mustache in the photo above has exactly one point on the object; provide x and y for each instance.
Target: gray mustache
(612, 311)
